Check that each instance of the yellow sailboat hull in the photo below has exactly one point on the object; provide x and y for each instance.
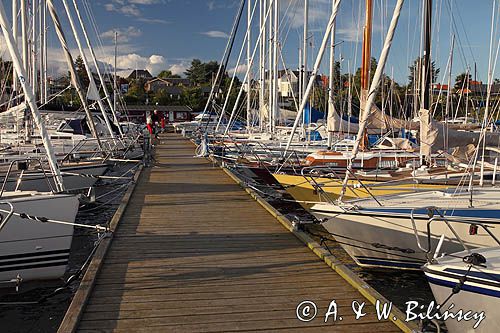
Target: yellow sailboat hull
(302, 189)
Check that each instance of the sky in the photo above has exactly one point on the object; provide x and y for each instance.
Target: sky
(168, 34)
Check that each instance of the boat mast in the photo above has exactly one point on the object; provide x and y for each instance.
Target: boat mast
(24, 35)
(377, 77)
(233, 78)
(74, 76)
(25, 58)
(30, 98)
(14, 31)
(249, 79)
(331, 103)
(262, 66)
(41, 54)
(426, 76)
(303, 72)
(34, 57)
(314, 72)
(275, 66)
(224, 60)
(45, 58)
(98, 69)
(236, 103)
(92, 86)
(115, 78)
(366, 55)
(270, 68)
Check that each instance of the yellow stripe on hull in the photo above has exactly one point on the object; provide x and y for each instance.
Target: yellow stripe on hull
(303, 191)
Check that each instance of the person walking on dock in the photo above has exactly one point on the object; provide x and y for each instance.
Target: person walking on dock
(156, 121)
(149, 123)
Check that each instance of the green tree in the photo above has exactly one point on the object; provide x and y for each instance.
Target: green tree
(165, 74)
(196, 73)
(5, 73)
(192, 97)
(81, 72)
(202, 73)
(136, 93)
(414, 77)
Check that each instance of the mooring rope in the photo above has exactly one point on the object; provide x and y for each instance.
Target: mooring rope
(43, 219)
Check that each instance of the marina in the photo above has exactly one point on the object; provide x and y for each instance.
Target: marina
(213, 270)
(334, 169)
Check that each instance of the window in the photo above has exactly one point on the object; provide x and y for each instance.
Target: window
(181, 115)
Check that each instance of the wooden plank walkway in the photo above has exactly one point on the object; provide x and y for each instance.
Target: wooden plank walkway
(195, 253)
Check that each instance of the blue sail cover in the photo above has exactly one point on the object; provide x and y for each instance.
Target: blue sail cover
(312, 115)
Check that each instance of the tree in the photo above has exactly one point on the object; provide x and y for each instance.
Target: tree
(165, 74)
(196, 73)
(136, 93)
(202, 73)
(462, 80)
(81, 72)
(5, 72)
(414, 77)
(193, 98)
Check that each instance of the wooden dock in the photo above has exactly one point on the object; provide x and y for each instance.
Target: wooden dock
(193, 252)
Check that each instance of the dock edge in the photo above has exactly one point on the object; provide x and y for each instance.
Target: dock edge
(80, 299)
(396, 315)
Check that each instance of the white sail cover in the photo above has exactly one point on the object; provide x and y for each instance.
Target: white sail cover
(428, 133)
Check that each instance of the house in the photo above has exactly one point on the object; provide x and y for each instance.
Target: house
(288, 83)
(170, 113)
(439, 89)
(140, 74)
(157, 84)
(123, 85)
(481, 89)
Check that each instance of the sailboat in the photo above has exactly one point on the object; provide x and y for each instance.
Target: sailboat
(470, 281)
(36, 228)
(386, 231)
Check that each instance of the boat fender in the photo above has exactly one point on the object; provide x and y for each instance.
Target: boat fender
(473, 229)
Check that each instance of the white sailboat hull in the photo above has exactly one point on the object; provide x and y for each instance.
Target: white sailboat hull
(388, 240)
(479, 295)
(34, 250)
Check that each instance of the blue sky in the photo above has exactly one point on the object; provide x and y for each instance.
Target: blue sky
(167, 34)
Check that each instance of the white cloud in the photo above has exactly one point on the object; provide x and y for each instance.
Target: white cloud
(179, 68)
(152, 21)
(350, 33)
(131, 8)
(240, 69)
(128, 10)
(124, 34)
(154, 63)
(318, 14)
(215, 34)
(145, 2)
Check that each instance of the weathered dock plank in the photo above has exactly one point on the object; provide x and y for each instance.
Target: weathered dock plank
(195, 253)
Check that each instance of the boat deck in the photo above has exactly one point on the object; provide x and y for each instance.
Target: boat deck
(195, 253)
